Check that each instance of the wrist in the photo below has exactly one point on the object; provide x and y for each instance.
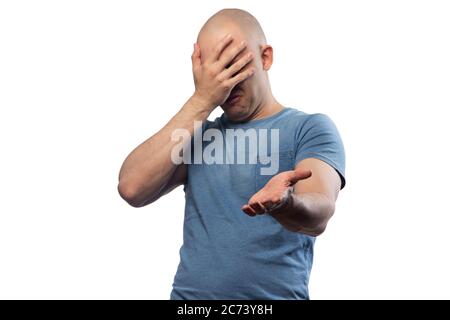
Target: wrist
(200, 103)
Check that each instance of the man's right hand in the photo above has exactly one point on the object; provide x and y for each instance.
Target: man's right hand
(213, 80)
(149, 172)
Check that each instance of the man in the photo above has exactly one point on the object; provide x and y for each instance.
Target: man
(248, 232)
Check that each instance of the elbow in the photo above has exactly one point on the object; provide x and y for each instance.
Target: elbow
(316, 223)
(130, 193)
(312, 231)
(317, 231)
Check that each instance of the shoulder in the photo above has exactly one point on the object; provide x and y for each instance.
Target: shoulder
(308, 122)
(319, 121)
(301, 117)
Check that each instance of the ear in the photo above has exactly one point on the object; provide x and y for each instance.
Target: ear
(266, 56)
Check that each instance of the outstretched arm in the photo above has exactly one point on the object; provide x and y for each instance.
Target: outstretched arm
(302, 200)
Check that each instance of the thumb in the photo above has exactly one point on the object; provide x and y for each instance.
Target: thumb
(196, 61)
(300, 174)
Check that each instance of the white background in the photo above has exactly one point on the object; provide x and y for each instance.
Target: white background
(83, 82)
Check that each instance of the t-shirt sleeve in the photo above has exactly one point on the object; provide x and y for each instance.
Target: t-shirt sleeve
(319, 138)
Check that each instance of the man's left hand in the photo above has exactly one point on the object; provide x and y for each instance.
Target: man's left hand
(276, 193)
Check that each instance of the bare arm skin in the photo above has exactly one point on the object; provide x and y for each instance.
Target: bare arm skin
(148, 172)
(302, 200)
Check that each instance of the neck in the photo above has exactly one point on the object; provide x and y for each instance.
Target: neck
(267, 108)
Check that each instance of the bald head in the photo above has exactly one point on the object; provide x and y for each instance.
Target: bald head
(240, 23)
(247, 40)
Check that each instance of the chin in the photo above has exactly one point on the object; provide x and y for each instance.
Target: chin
(236, 113)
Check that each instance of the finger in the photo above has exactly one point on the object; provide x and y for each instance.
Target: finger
(229, 55)
(300, 174)
(248, 210)
(241, 76)
(268, 205)
(196, 59)
(237, 66)
(220, 47)
(258, 208)
(278, 204)
(264, 208)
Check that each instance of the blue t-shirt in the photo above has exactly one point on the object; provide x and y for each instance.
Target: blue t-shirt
(227, 254)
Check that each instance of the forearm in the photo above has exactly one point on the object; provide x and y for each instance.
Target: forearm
(149, 167)
(307, 213)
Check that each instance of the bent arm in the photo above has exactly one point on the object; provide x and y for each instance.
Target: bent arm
(312, 202)
(149, 172)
